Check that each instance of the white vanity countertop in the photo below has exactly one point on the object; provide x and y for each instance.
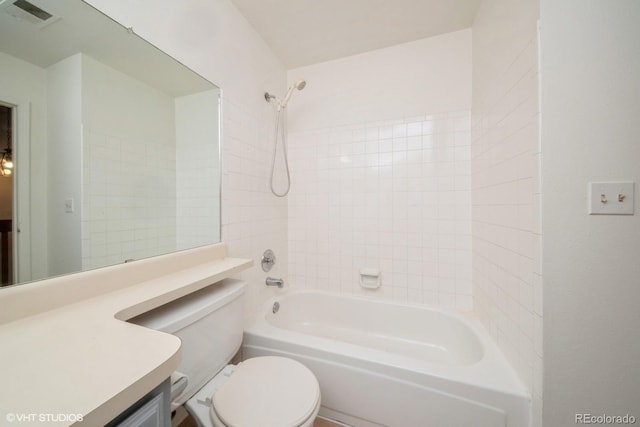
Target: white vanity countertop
(81, 357)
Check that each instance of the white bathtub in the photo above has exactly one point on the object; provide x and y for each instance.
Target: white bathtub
(388, 364)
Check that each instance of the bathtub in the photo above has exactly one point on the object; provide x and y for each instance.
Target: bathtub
(389, 364)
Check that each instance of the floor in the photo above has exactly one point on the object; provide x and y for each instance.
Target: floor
(319, 422)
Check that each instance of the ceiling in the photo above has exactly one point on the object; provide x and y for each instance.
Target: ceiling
(304, 32)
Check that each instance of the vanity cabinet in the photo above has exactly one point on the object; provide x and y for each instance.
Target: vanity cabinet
(153, 410)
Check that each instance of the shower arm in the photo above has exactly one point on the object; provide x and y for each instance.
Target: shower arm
(268, 97)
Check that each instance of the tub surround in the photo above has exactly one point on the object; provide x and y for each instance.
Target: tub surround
(67, 348)
(381, 178)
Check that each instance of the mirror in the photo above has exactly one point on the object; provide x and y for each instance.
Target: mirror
(115, 145)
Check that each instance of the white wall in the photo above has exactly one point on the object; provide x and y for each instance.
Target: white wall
(427, 76)
(380, 172)
(64, 120)
(213, 38)
(507, 287)
(590, 108)
(25, 84)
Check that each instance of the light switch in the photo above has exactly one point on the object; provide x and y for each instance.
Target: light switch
(611, 198)
(68, 206)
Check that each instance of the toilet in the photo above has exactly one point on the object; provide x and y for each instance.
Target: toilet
(267, 391)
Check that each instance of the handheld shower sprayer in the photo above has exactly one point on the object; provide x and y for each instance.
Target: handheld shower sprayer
(281, 125)
(300, 84)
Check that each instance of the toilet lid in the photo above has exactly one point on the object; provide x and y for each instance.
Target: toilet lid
(267, 391)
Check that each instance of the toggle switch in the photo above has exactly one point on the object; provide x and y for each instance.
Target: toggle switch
(69, 206)
(611, 198)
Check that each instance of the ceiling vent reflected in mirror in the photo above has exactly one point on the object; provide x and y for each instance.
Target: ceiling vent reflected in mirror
(28, 12)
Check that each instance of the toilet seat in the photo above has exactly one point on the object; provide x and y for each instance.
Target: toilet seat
(267, 391)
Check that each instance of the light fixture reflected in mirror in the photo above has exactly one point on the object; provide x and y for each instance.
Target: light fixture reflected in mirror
(6, 164)
(6, 161)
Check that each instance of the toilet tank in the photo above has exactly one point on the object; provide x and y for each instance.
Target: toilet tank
(209, 322)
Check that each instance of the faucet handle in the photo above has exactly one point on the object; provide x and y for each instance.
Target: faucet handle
(268, 260)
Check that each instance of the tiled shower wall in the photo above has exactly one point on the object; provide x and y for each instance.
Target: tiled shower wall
(505, 164)
(128, 168)
(121, 188)
(253, 219)
(197, 170)
(380, 158)
(391, 195)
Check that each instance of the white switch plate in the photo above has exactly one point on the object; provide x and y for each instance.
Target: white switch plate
(68, 206)
(611, 198)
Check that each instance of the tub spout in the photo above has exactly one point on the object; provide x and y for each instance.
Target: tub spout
(271, 281)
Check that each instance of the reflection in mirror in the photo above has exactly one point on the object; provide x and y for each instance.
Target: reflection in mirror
(115, 144)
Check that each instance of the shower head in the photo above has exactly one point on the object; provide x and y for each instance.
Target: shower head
(300, 84)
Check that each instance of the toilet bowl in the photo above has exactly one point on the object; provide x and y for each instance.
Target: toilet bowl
(263, 391)
(259, 392)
